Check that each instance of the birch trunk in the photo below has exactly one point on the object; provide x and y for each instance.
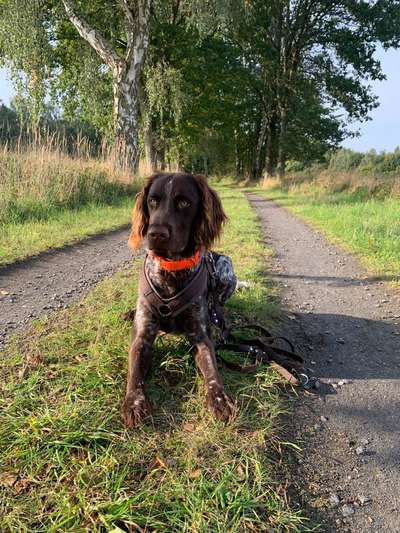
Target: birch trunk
(126, 72)
(126, 116)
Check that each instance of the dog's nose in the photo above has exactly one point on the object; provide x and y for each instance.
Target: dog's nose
(158, 233)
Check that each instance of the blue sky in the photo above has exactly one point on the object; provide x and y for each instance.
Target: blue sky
(381, 133)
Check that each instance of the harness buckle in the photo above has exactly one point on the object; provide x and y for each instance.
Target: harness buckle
(165, 310)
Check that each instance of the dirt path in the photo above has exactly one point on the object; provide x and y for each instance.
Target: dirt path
(53, 279)
(347, 325)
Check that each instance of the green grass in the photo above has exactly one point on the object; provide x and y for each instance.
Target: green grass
(64, 226)
(67, 463)
(369, 227)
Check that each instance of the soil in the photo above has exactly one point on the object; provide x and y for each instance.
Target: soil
(53, 279)
(347, 325)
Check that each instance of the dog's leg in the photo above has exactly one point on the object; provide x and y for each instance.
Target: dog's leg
(217, 401)
(136, 406)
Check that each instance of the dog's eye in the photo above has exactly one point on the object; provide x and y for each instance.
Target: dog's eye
(182, 204)
(152, 202)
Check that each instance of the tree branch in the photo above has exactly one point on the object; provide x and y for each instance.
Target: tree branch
(128, 11)
(96, 40)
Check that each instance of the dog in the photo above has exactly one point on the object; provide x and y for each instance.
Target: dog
(178, 217)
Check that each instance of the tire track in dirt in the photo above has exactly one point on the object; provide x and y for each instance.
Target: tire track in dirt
(346, 323)
(54, 279)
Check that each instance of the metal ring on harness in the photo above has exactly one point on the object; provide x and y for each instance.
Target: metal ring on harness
(165, 310)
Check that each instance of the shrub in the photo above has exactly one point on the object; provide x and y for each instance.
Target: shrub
(345, 160)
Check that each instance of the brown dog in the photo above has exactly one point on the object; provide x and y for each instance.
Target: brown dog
(178, 217)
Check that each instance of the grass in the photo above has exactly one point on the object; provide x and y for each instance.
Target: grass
(19, 241)
(67, 464)
(48, 199)
(361, 223)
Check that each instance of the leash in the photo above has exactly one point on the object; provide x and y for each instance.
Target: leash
(262, 349)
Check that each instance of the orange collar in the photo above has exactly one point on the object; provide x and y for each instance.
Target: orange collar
(180, 264)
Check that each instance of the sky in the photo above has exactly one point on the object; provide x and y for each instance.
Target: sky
(381, 133)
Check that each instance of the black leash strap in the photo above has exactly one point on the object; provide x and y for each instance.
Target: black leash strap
(263, 350)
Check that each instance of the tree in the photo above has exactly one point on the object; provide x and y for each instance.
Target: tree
(126, 70)
(330, 43)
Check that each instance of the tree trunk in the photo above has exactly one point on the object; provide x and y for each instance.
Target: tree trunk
(126, 115)
(270, 148)
(126, 73)
(149, 150)
(282, 142)
(127, 79)
(259, 156)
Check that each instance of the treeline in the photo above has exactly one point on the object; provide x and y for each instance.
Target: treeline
(346, 160)
(213, 86)
(371, 162)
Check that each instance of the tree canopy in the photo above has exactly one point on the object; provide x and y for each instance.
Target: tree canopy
(225, 85)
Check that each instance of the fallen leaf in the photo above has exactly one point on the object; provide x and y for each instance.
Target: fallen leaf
(241, 472)
(34, 360)
(195, 474)
(7, 479)
(188, 426)
(22, 484)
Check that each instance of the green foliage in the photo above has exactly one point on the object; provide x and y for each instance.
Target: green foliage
(26, 49)
(216, 73)
(347, 160)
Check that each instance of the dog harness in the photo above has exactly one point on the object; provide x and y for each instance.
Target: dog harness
(171, 307)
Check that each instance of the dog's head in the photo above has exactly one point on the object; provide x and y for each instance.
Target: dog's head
(176, 213)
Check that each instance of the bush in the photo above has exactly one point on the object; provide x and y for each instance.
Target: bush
(345, 160)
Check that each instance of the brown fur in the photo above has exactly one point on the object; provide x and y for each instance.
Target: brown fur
(210, 219)
(187, 229)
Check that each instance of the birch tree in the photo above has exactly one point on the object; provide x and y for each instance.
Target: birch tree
(126, 71)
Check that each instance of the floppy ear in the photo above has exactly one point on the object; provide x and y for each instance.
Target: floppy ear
(140, 216)
(211, 216)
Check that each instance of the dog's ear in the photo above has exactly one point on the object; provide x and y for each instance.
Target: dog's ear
(211, 216)
(140, 216)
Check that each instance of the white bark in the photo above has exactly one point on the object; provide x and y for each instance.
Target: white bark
(96, 40)
(126, 72)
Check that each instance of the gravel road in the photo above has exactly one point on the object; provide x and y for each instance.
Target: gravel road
(346, 323)
(52, 280)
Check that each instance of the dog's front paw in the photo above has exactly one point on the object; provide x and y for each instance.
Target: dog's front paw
(136, 408)
(220, 404)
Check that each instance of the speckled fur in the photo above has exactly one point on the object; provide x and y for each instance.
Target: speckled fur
(193, 322)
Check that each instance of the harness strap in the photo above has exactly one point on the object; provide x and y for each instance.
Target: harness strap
(173, 306)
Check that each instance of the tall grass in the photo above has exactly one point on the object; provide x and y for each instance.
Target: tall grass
(39, 179)
(315, 181)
